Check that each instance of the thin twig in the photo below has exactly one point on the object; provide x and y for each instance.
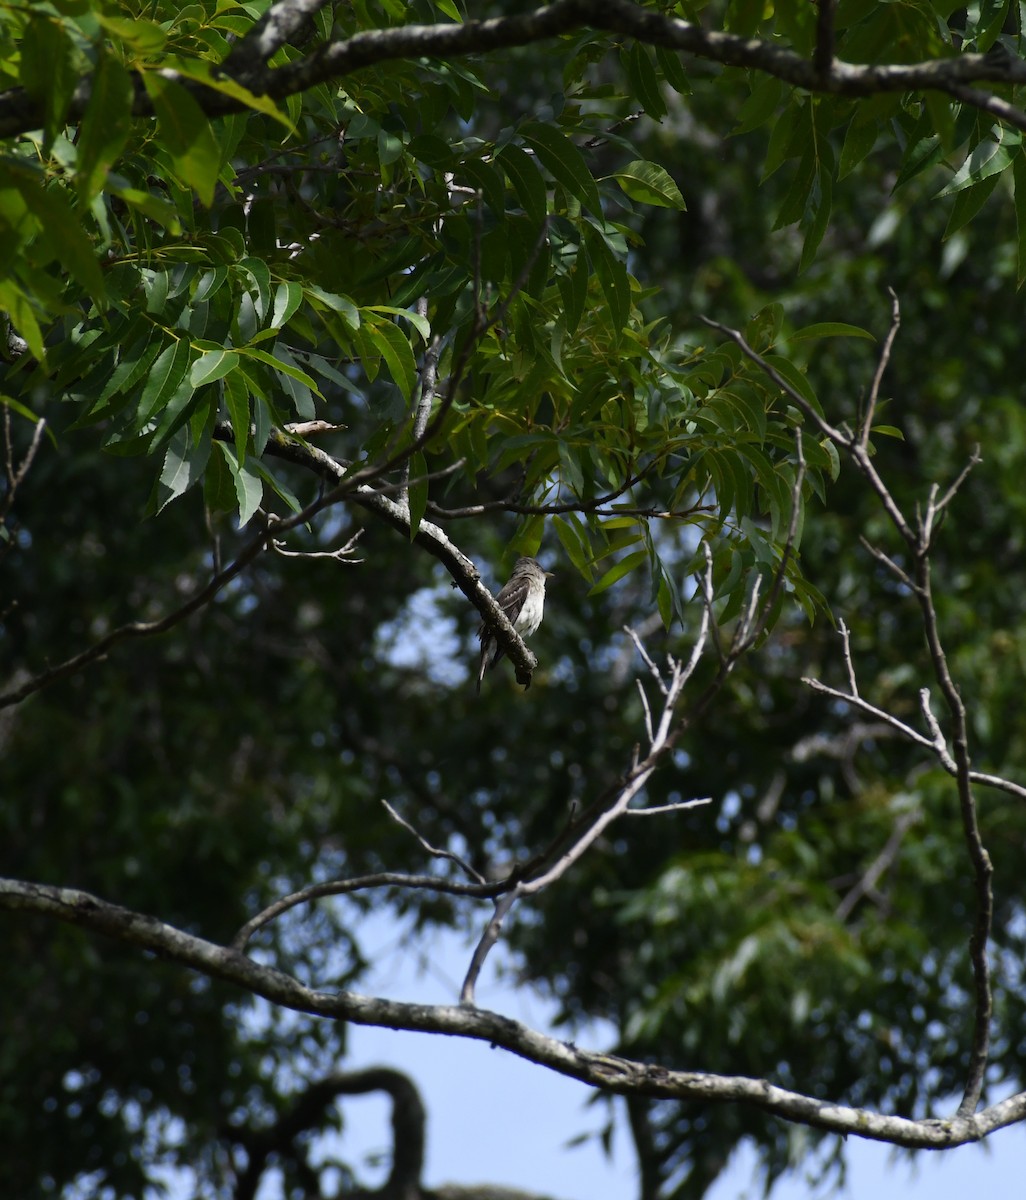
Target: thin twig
(16, 474)
(488, 939)
(434, 851)
(879, 865)
(848, 664)
(898, 572)
(881, 366)
(341, 555)
(361, 883)
(659, 809)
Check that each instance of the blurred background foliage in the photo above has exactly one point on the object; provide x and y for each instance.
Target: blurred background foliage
(199, 775)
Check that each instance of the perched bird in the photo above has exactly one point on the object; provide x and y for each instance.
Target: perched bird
(523, 601)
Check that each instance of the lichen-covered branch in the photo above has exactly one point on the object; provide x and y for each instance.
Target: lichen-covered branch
(954, 75)
(609, 1072)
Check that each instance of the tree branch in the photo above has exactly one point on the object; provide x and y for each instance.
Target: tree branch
(607, 1072)
(21, 113)
(917, 537)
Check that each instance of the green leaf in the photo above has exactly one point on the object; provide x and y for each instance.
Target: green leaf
(612, 276)
(573, 291)
(236, 396)
(485, 178)
(340, 304)
(249, 487)
(105, 126)
(574, 541)
(47, 73)
(16, 304)
(184, 464)
(163, 380)
(186, 133)
(135, 361)
(287, 300)
(564, 162)
(760, 106)
(205, 72)
(219, 484)
(648, 183)
(858, 141)
(817, 216)
(968, 203)
(278, 364)
(276, 485)
(618, 570)
(154, 207)
(421, 324)
(795, 377)
(61, 230)
(396, 352)
(213, 365)
(919, 156)
(673, 70)
(259, 286)
(526, 179)
(144, 37)
(784, 130)
(988, 158)
(643, 80)
(825, 329)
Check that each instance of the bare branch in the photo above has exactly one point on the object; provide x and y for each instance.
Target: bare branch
(15, 475)
(659, 809)
(881, 366)
(898, 572)
(342, 555)
(488, 939)
(363, 883)
(645, 705)
(609, 1072)
(433, 850)
(645, 657)
(848, 664)
(883, 861)
(949, 495)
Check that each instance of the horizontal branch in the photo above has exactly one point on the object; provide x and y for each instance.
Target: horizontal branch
(607, 1072)
(21, 113)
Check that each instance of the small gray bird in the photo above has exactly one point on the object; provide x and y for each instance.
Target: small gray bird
(523, 601)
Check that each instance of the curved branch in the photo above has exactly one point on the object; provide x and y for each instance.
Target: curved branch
(604, 1071)
(362, 883)
(21, 113)
(408, 1124)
